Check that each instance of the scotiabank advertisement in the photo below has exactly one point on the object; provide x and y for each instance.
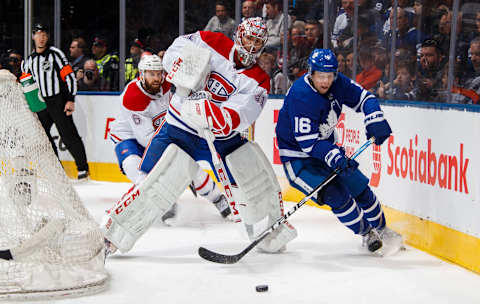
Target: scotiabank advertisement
(428, 168)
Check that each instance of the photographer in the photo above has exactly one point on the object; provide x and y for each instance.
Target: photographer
(88, 79)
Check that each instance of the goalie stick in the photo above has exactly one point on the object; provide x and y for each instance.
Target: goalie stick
(232, 259)
(46, 233)
(222, 174)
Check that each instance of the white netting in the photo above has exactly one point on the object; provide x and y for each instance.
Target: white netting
(37, 199)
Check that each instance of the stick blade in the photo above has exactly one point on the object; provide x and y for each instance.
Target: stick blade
(217, 257)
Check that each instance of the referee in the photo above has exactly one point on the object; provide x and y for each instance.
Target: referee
(58, 86)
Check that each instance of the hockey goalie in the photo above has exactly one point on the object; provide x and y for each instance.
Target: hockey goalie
(221, 90)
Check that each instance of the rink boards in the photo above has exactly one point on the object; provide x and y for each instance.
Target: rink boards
(427, 173)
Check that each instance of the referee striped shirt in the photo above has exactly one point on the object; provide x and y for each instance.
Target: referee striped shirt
(52, 72)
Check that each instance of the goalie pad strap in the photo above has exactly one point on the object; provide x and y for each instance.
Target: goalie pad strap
(136, 211)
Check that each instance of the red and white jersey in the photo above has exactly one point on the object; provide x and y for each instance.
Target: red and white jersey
(244, 91)
(141, 113)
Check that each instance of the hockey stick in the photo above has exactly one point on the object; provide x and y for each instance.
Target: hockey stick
(46, 233)
(222, 174)
(232, 259)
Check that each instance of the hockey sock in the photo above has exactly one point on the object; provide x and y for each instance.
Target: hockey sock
(372, 208)
(205, 186)
(352, 217)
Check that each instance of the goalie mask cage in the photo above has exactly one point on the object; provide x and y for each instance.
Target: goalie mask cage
(57, 247)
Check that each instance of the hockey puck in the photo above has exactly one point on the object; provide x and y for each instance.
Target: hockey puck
(261, 288)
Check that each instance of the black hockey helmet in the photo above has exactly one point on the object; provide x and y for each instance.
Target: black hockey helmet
(39, 28)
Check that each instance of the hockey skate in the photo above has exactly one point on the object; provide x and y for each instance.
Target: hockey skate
(170, 215)
(392, 241)
(221, 204)
(372, 241)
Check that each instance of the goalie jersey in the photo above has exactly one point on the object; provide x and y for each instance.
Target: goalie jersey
(243, 91)
(141, 113)
(307, 120)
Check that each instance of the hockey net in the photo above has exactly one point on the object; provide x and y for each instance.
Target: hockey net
(56, 246)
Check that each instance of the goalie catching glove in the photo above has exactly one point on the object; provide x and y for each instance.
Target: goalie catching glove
(199, 111)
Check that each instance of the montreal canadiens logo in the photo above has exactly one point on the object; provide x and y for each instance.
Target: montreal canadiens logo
(220, 88)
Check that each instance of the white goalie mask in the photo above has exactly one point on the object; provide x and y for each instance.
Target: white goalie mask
(255, 28)
(149, 63)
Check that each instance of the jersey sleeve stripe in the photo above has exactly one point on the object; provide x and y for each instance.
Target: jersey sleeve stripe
(306, 137)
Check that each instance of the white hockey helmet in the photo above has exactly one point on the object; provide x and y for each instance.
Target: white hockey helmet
(255, 27)
(149, 62)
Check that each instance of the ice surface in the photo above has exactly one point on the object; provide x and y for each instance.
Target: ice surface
(323, 265)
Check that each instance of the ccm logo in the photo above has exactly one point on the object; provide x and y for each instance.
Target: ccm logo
(124, 204)
(175, 67)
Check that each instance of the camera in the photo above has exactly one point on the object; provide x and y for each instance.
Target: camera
(89, 74)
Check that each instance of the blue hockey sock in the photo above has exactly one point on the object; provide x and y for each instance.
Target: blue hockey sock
(352, 217)
(372, 208)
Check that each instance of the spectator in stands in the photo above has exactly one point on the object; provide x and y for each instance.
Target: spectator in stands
(370, 74)
(131, 63)
(267, 62)
(298, 51)
(349, 62)
(15, 62)
(429, 72)
(77, 54)
(407, 36)
(403, 84)
(342, 63)
(281, 82)
(443, 34)
(248, 9)
(342, 29)
(472, 68)
(275, 25)
(221, 22)
(107, 64)
(89, 79)
(314, 34)
(461, 94)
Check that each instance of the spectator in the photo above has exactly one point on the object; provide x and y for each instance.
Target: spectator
(407, 37)
(281, 82)
(349, 62)
(221, 22)
(131, 63)
(472, 69)
(342, 63)
(89, 79)
(54, 75)
(443, 34)
(370, 74)
(429, 76)
(248, 9)
(267, 62)
(342, 29)
(403, 85)
(15, 62)
(107, 64)
(77, 53)
(460, 94)
(274, 24)
(314, 34)
(299, 50)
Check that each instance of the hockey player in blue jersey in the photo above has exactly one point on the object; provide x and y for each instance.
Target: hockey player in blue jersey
(306, 140)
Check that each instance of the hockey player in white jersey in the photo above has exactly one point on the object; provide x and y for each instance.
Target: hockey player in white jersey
(144, 106)
(226, 101)
(307, 145)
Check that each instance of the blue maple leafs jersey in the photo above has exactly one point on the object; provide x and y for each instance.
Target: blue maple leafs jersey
(306, 123)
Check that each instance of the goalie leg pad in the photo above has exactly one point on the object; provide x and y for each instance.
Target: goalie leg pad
(277, 240)
(259, 186)
(155, 195)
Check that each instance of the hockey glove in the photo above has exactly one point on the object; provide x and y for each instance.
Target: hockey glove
(336, 159)
(200, 112)
(378, 127)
